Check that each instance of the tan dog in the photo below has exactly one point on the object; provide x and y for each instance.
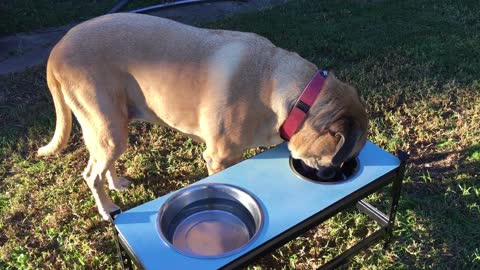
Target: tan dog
(228, 89)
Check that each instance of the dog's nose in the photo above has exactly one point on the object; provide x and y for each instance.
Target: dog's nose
(326, 173)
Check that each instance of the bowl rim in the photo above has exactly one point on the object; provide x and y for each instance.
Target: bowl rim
(326, 182)
(193, 187)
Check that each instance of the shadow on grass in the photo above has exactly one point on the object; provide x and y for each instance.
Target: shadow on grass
(439, 212)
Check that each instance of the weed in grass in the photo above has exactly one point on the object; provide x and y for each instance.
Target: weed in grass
(4, 202)
(426, 177)
(474, 154)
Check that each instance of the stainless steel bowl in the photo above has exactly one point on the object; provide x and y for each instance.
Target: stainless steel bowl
(210, 220)
(348, 169)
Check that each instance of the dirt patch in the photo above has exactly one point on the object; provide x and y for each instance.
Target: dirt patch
(24, 50)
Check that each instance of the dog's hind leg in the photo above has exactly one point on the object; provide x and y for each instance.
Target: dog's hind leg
(105, 131)
(104, 148)
(96, 184)
(106, 142)
(115, 182)
(88, 170)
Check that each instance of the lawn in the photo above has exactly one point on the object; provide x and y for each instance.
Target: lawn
(27, 15)
(417, 65)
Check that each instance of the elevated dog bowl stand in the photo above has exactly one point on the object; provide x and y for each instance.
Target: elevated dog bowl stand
(291, 207)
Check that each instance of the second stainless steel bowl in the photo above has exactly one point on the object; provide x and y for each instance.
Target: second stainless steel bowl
(210, 220)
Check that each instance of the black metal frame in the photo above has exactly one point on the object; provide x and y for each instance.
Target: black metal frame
(386, 222)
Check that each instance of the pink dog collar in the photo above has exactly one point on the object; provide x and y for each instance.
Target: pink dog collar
(299, 111)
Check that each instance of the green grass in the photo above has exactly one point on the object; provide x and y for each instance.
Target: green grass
(416, 63)
(28, 15)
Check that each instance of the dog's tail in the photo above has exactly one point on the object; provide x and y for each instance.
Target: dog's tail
(64, 117)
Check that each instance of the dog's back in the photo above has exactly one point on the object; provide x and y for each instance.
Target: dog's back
(125, 38)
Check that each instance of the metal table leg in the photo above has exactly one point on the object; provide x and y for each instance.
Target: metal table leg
(122, 254)
(387, 223)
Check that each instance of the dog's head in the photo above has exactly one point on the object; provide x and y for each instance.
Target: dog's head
(334, 131)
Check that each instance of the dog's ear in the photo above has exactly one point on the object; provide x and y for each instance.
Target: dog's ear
(344, 130)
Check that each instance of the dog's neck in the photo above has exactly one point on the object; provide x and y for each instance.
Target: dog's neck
(289, 85)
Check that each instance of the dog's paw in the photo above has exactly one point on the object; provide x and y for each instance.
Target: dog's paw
(119, 185)
(105, 212)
